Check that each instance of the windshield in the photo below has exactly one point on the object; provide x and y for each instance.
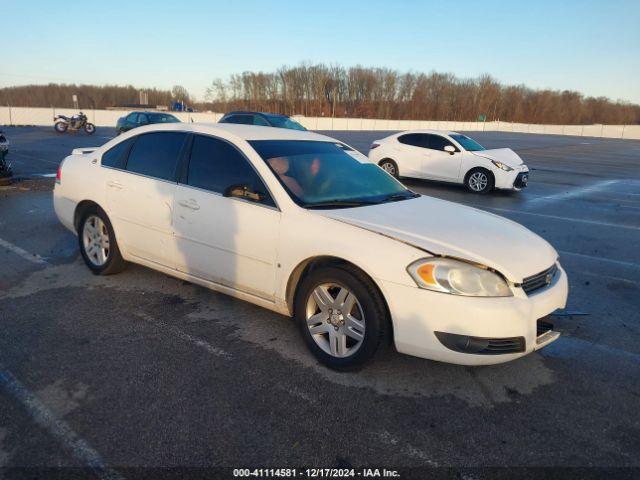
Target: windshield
(325, 175)
(163, 118)
(284, 122)
(467, 143)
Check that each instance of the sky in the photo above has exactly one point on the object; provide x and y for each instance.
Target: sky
(589, 46)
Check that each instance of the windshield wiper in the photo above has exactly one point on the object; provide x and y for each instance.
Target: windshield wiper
(396, 197)
(338, 204)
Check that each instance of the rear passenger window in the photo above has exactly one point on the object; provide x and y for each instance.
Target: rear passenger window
(156, 154)
(216, 165)
(116, 156)
(413, 139)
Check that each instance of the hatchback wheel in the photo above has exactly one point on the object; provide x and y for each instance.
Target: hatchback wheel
(390, 167)
(342, 316)
(98, 244)
(479, 180)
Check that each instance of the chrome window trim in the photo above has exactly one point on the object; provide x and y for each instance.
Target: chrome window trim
(250, 202)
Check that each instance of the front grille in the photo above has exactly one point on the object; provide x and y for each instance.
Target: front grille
(539, 280)
(521, 180)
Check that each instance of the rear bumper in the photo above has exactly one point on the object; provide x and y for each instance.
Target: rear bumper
(65, 209)
(418, 314)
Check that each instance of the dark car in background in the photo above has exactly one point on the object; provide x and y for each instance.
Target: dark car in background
(138, 119)
(4, 144)
(261, 119)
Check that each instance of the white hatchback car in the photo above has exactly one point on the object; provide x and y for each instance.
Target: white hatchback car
(303, 225)
(449, 157)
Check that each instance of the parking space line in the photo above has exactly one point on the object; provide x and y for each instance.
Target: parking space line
(557, 217)
(576, 192)
(31, 157)
(198, 342)
(31, 257)
(601, 259)
(46, 419)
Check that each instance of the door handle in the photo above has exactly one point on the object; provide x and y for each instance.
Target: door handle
(115, 184)
(192, 204)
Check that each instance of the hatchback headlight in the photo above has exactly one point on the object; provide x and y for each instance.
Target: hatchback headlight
(502, 166)
(447, 275)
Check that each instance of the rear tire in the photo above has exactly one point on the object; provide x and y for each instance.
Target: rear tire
(60, 127)
(342, 316)
(89, 128)
(479, 180)
(98, 244)
(390, 167)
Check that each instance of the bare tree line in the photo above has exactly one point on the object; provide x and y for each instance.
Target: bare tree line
(321, 90)
(89, 96)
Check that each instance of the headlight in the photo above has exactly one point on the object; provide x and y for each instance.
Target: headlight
(458, 278)
(502, 166)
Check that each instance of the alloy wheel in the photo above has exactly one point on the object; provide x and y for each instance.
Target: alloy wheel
(335, 320)
(95, 239)
(478, 181)
(389, 168)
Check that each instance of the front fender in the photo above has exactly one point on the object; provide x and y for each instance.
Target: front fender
(307, 236)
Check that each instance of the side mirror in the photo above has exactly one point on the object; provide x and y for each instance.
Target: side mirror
(243, 191)
(450, 148)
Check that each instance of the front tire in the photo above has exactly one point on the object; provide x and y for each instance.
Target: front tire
(479, 180)
(390, 167)
(60, 127)
(98, 244)
(342, 316)
(89, 128)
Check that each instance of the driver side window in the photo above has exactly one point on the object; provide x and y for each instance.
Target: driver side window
(436, 142)
(132, 118)
(215, 165)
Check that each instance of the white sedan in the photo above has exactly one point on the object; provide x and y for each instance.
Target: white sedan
(303, 225)
(449, 157)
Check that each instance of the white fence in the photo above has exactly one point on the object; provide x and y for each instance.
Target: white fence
(108, 118)
(100, 118)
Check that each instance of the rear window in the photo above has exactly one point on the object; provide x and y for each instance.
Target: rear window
(282, 121)
(156, 154)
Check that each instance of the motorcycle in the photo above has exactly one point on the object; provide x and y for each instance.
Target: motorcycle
(76, 122)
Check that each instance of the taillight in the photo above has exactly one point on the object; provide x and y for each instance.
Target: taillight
(374, 145)
(59, 174)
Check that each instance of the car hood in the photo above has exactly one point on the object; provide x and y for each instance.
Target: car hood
(504, 155)
(451, 229)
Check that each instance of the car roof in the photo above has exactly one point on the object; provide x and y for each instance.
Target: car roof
(236, 131)
(249, 112)
(151, 111)
(435, 132)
